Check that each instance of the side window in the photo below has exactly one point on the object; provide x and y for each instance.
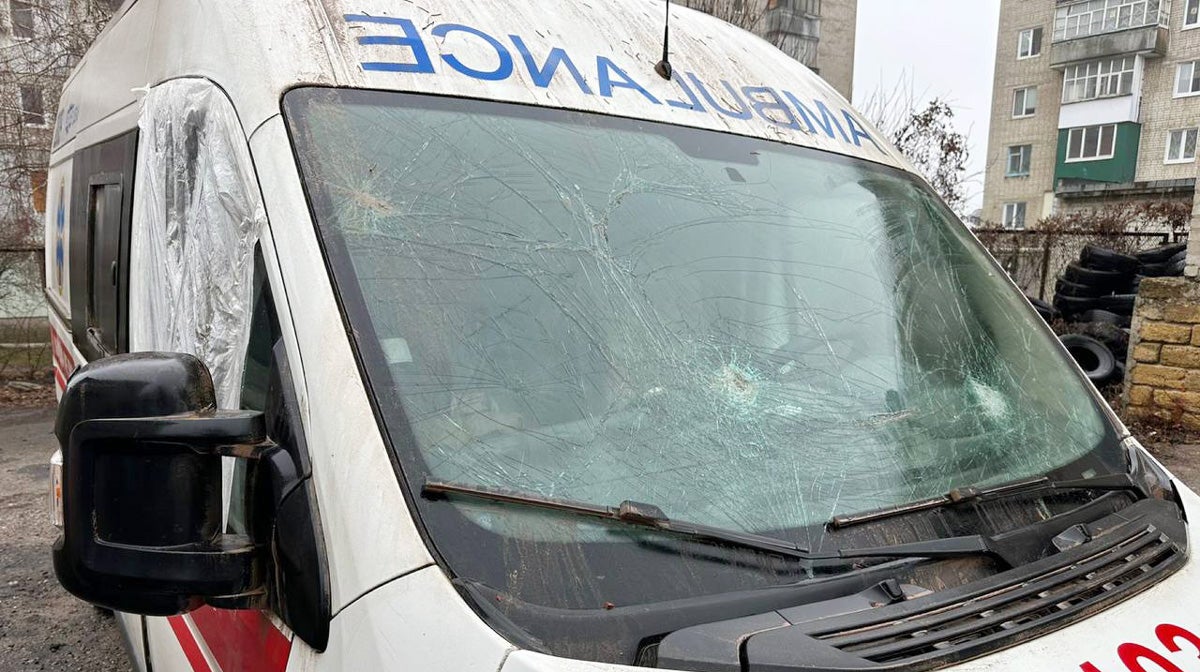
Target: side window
(104, 261)
(264, 333)
(102, 203)
(256, 382)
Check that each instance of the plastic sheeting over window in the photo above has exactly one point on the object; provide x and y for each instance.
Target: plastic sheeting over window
(197, 215)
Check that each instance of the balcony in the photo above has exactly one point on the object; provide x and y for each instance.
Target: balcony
(795, 27)
(1095, 29)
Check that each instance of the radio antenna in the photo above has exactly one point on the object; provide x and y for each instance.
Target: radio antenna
(663, 67)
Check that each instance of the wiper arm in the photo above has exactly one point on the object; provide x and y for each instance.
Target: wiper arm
(1118, 481)
(651, 517)
(628, 512)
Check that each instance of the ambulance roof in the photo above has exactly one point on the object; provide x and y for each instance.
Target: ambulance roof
(596, 56)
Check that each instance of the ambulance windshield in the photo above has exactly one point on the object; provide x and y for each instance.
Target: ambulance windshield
(749, 335)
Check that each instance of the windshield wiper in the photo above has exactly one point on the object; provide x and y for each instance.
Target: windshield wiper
(651, 517)
(1110, 482)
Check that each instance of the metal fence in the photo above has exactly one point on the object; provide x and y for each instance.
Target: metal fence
(1035, 258)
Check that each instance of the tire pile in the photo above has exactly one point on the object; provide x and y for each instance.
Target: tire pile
(1094, 298)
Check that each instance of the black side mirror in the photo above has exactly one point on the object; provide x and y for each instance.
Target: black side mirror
(142, 443)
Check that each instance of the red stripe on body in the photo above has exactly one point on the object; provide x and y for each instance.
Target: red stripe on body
(187, 642)
(242, 640)
(64, 362)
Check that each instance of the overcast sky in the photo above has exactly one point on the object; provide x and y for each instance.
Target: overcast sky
(945, 48)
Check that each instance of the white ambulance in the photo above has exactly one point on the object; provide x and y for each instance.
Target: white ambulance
(473, 335)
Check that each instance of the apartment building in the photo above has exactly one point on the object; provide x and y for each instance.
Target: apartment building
(1093, 101)
(818, 33)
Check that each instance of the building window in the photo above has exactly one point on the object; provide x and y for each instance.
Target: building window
(1181, 145)
(1091, 143)
(1098, 79)
(1093, 17)
(1187, 79)
(33, 111)
(37, 188)
(1029, 42)
(1014, 215)
(1024, 102)
(1191, 14)
(1019, 157)
(22, 18)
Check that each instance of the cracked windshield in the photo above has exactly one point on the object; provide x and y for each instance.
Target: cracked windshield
(745, 334)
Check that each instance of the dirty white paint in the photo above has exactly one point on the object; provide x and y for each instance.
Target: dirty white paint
(414, 623)
(600, 57)
(724, 78)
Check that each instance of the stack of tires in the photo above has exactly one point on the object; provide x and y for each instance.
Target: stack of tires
(1100, 286)
(1094, 298)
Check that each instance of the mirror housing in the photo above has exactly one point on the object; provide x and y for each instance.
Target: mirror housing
(142, 443)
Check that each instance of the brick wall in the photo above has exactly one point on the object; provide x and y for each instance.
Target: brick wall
(1163, 370)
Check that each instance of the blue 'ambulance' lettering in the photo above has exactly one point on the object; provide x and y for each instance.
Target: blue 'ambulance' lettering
(773, 110)
(503, 70)
(828, 119)
(411, 38)
(605, 71)
(774, 106)
(692, 103)
(743, 111)
(857, 131)
(542, 76)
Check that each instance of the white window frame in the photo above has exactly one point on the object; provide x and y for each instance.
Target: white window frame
(1181, 143)
(1021, 43)
(41, 94)
(1083, 131)
(1025, 92)
(1009, 218)
(1191, 14)
(1193, 70)
(1025, 157)
(1105, 78)
(1096, 17)
(12, 20)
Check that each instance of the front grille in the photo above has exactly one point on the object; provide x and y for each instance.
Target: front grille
(964, 628)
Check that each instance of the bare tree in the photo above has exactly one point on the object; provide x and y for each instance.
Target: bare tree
(47, 39)
(926, 134)
(44, 41)
(929, 140)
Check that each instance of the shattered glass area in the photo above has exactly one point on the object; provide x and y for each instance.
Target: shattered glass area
(197, 214)
(746, 334)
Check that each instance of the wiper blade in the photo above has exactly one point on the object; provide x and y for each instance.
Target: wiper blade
(651, 517)
(1118, 481)
(628, 512)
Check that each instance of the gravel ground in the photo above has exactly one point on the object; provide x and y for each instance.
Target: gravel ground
(42, 627)
(1183, 459)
